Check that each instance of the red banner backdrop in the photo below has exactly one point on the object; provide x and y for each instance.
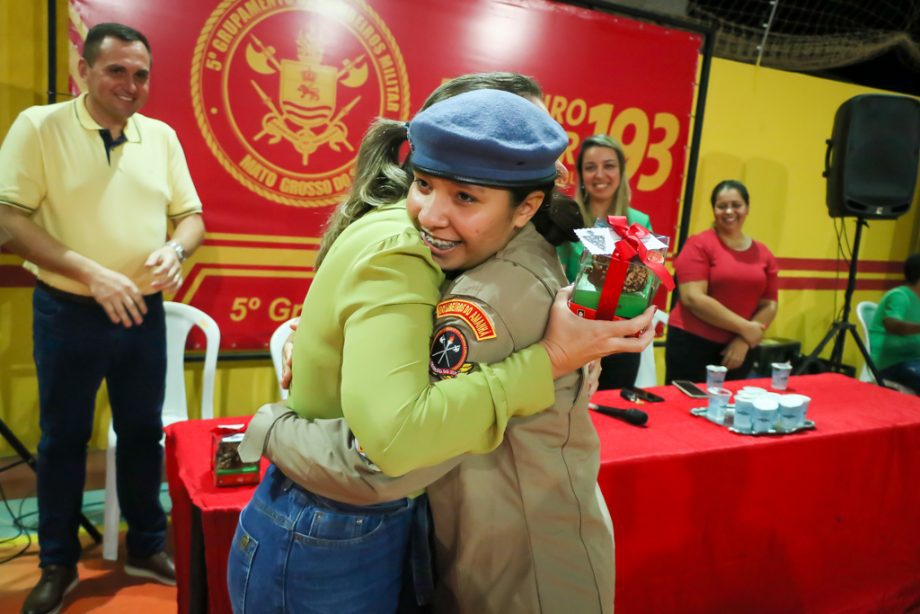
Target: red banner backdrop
(271, 97)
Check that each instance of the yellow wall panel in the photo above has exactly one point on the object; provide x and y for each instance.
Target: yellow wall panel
(763, 126)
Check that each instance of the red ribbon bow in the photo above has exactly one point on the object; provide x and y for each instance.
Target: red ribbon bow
(629, 246)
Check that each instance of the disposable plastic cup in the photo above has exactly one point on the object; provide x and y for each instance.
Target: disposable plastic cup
(715, 376)
(744, 412)
(718, 402)
(765, 412)
(790, 412)
(801, 402)
(780, 379)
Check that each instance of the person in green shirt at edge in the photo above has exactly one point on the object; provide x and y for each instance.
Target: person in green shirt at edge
(362, 353)
(603, 190)
(894, 333)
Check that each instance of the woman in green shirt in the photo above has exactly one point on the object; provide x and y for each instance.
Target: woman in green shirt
(603, 190)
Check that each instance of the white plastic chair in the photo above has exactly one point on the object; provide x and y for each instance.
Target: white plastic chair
(648, 371)
(275, 346)
(180, 319)
(865, 311)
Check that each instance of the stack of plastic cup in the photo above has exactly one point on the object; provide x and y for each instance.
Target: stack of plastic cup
(792, 410)
(765, 412)
(744, 412)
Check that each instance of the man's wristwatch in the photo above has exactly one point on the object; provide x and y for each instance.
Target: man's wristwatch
(180, 251)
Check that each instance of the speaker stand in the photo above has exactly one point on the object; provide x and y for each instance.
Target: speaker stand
(839, 329)
(26, 457)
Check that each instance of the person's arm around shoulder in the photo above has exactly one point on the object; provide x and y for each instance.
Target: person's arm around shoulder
(324, 457)
(402, 420)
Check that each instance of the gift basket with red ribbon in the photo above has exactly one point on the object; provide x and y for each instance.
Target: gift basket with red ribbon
(622, 267)
(226, 465)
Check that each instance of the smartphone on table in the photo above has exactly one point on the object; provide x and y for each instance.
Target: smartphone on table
(633, 394)
(689, 388)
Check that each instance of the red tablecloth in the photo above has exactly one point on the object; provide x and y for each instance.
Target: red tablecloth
(818, 521)
(706, 520)
(191, 483)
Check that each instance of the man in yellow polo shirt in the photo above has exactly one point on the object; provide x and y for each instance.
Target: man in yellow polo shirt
(86, 189)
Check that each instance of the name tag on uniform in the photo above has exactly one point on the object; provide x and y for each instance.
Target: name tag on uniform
(474, 317)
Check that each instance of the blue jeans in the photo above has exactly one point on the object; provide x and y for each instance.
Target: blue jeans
(297, 552)
(906, 373)
(76, 346)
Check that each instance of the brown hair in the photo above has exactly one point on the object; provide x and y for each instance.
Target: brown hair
(380, 178)
(622, 196)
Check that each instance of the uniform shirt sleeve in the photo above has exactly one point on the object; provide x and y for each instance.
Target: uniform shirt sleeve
(323, 457)
(467, 334)
(22, 174)
(183, 196)
(402, 420)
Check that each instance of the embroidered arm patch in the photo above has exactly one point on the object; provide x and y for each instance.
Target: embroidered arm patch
(449, 350)
(471, 314)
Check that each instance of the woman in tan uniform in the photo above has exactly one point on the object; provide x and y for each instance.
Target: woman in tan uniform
(522, 528)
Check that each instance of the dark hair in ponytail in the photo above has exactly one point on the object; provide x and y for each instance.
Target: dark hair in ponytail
(380, 179)
(558, 215)
(558, 218)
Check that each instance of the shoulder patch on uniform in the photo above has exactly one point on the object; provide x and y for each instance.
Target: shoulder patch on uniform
(448, 352)
(479, 322)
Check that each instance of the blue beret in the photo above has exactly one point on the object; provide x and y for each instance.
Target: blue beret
(489, 137)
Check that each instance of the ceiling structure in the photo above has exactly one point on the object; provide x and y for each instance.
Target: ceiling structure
(876, 43)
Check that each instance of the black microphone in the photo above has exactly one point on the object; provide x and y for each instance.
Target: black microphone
(636, 417)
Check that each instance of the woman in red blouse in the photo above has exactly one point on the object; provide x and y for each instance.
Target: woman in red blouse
(728, 293)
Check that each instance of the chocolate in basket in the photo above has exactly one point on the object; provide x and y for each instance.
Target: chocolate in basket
(619, 281)
(226, 465)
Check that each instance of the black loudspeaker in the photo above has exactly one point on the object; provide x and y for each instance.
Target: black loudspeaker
(873, 156)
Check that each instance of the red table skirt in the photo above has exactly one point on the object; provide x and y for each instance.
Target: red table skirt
(818, 521)
(191, 484)
(705, 520)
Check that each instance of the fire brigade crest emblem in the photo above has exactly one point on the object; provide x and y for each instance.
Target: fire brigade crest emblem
(283, 90)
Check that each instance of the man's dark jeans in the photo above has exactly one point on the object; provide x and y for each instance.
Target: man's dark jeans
(76, 346)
